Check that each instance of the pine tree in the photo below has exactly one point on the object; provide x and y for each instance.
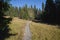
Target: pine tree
(19, 12)
(24, 13)
(43, 7)
(4, 29)
(57, 11)
(3, 8)
(35, 11)
(50, 12)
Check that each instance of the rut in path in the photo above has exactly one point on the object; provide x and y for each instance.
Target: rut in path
(27, 33)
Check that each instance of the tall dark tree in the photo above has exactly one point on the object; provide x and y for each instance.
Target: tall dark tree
(4, 29)
(50, 12)
(35, 11)
(57, 11)
(39, 14)
(3, 7)
(43, 7)
(19, 12)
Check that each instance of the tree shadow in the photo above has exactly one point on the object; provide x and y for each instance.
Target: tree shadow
(47, 22)
(4, 28)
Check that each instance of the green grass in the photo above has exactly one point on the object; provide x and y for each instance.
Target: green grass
(44, 32)
(17, 27)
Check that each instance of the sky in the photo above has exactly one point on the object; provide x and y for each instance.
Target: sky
(21, 3)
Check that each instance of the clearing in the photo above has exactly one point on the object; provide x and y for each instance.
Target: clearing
(44, 31)
(17, 27)
(32, 31)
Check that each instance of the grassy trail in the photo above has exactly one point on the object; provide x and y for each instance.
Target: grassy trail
(27, 33)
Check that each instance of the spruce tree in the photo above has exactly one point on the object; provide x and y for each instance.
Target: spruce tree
(4, 29)
(57, 11)
(50, 12)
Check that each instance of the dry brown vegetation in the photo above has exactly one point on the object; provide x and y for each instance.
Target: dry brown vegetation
(17, 27)
(44, 32)
(39, 31)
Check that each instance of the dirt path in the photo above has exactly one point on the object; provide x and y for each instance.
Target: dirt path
(27, 33)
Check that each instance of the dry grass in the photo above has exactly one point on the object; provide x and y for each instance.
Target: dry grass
(17, 27)
(44, 32)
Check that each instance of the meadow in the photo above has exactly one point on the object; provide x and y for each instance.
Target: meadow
(42, 31)
(39, 31)
(17, 27)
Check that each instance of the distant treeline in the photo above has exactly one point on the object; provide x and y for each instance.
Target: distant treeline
(50, 12)
(24, 12)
